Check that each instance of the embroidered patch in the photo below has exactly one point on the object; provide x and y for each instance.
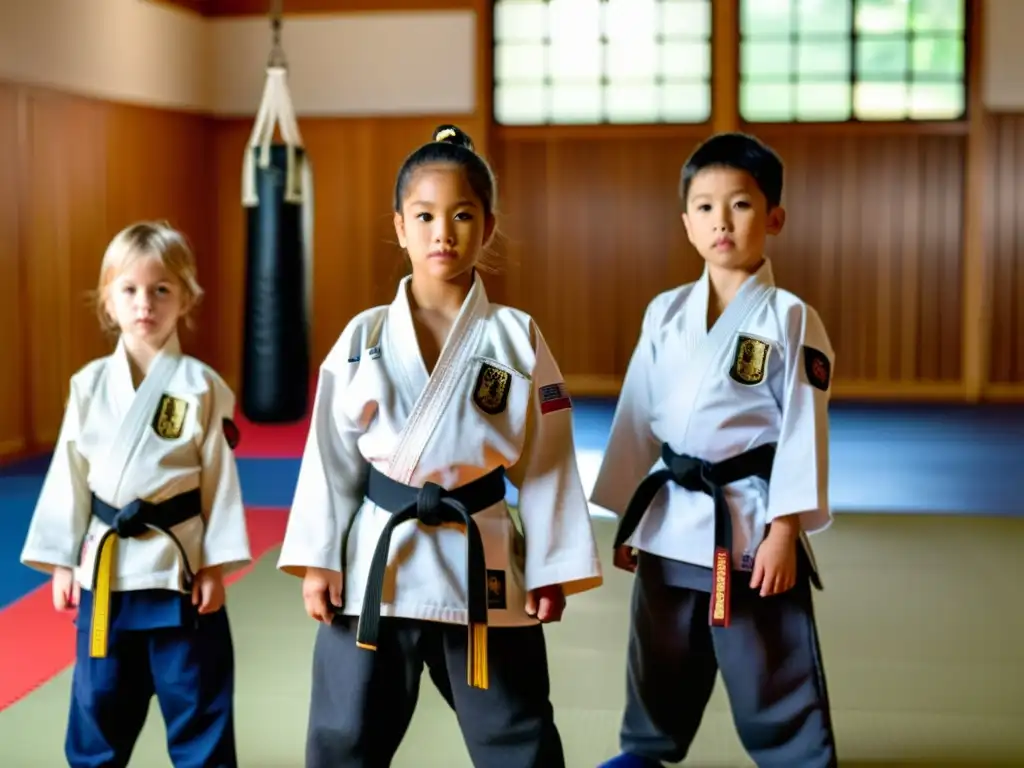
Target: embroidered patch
(354, 359)
(554, 397)
(169, 419)
(818, 368)
(751, 361)
(374, 352)
(496, 590)
(748, 561)
(231, 433)
(491, 390)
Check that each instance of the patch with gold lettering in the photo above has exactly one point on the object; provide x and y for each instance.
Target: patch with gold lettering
(490, 392)
(169, 419)
(750, 364)
(721, 575)
(818, 368)
(231, 433)
(496, 590)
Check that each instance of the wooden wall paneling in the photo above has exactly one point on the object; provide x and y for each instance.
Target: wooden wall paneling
(356, 258)
(1005, 241)
(262, 7)
(13, 386)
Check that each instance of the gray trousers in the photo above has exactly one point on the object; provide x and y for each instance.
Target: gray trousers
(362, 701)
(769, 659)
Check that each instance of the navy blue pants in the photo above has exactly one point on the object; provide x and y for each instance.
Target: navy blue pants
(769, 659)
(188, 667)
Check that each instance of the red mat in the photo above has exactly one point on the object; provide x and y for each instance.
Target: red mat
(271, 441)
(38, 643)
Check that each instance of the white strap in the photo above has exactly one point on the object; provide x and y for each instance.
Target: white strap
(276, 111)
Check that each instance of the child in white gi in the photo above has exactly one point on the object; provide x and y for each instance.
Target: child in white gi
(722, 431)
(399, 528)
(140, 516)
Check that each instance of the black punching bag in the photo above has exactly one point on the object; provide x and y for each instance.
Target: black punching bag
(275, 358)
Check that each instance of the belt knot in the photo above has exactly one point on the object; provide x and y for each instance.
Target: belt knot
(428, 504)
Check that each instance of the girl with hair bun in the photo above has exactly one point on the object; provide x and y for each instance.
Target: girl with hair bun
(399, 529)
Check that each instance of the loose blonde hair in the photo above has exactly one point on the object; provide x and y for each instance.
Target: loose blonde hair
(148, 239)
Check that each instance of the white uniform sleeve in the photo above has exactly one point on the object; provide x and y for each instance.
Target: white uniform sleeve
(632, 448)
(226, 542)
(799, 481)
(332, 476)
(560, 544)
(64, 507)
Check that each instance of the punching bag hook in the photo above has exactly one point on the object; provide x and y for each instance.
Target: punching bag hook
(277, 58)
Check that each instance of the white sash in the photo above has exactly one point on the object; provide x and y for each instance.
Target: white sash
(750, 297)
(109, 472)
(458, 349)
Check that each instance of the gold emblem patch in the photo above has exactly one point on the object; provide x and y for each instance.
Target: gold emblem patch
(751, 361)
(491, 390)
(170, 417)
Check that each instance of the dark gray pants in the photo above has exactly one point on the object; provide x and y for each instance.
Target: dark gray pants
(769, 658)
(362, 701)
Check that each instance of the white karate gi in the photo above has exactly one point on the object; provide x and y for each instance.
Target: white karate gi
(110, 444)
(376, 404)
(679, 390)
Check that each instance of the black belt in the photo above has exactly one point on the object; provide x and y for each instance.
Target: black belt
(132, 521)
(432, 505)
(702, 476)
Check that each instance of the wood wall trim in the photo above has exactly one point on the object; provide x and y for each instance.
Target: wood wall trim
(484, 10)
(976, 276)
(294, 7)
(604, 132)
(725, 65)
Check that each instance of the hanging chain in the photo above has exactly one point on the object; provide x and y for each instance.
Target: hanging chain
(277, 58)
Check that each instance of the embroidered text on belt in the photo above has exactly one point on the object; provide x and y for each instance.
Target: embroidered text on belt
(702, 476)
(432, 505)
(132, 521)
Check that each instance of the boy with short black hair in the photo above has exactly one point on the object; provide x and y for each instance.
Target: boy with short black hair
(722, 429)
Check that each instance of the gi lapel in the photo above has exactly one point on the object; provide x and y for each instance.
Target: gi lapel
(458, 348)
(134, 423)
(703, 353)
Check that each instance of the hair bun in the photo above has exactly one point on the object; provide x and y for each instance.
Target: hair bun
(452, 134)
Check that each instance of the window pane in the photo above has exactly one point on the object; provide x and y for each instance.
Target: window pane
(576, 58)
(815, 16)
(519, 61)
(880, 101)
(766, 60)
(520, 104)
(686, 61)
(629, 60)
(686, 102)
(937, 101)
(885, 57)
(632, 102)
(686, 18)
(939, 56)
(578, 102)
(520, 20)
(882, 16)
(938, 15)
(828, 57)
(635, 21)
(766, 18)
(572, 20)
(822, 102)
(766, 102)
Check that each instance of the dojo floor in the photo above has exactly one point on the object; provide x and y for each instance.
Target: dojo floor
(921, 620)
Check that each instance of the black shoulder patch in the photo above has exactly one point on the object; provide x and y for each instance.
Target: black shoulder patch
(818, 368)
(232, 433)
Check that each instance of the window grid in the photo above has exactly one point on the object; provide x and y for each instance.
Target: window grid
(853, 39)
(601, 79)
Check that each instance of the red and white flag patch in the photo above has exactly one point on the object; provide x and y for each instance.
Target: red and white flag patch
(554, 397)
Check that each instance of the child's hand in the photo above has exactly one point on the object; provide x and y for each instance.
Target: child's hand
(66, 591)
(317, 584)
(775, 562)
(625, 558)
(546, 603)
(208, 590)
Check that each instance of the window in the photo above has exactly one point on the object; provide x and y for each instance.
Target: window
(602, 61)
(829, 60)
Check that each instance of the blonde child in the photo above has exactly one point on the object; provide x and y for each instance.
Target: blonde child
(140, 516)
